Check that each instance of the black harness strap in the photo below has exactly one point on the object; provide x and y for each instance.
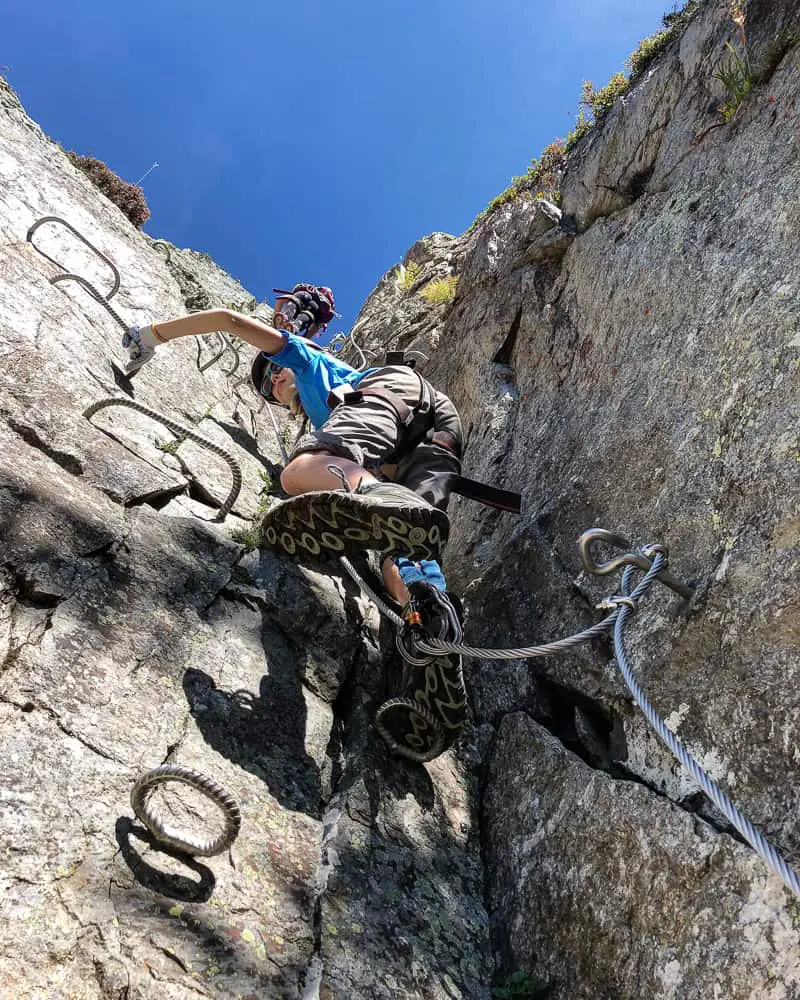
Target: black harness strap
(485, 494)
(399, 358)
(353, 397)
(418, 422)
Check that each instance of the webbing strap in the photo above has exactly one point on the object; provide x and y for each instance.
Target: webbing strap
(485, 494)
(417, 421)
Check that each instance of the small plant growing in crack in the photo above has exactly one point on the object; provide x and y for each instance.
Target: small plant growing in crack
(271, 485)
(735, 71)
(170, 447)
(407, 276)
(249, 537)
(440, 291)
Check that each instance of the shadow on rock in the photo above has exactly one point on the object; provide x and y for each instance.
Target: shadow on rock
(264, 734)
(175, 886)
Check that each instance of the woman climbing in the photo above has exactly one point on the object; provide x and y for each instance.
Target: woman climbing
(375, 471)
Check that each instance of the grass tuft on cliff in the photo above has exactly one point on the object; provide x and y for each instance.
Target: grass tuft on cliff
(440, 291)
(127, 197)
(543, 176)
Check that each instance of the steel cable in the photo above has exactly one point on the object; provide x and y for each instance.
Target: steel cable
(754, 838)
(370, 593)
(434, 647)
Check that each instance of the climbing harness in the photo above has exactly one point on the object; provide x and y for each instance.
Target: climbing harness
(183, 432)
(175, 838)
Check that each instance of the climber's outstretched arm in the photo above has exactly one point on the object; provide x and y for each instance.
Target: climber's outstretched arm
(254, 331)
(141, 342)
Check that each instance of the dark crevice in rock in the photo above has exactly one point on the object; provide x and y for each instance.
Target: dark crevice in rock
(697, 804)
(349, 695)
(30, 593)
(637, 184)
(157, 499)
(312, 980)
(69, 463)
(175, 746)
(250, 597)
(122, 381)
(199, 493)
(783, 41)
(506, 351)
(586, 727)
(25, 707)
(595, 734)
(105, 552)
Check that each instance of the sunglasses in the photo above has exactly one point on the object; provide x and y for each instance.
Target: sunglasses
(266, 380)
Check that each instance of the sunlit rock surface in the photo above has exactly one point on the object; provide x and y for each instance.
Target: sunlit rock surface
(632, 364)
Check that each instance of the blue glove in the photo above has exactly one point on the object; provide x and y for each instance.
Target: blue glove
(428, 571)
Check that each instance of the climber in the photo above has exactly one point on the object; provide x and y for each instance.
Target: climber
(375, 471)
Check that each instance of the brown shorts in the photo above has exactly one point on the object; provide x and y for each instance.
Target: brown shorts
(369, 432)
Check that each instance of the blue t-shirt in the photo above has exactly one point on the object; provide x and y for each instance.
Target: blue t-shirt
(316, 373)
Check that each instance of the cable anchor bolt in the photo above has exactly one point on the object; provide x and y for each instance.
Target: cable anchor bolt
(642, 559)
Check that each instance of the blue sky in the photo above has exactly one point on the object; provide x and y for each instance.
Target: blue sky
(313, 141)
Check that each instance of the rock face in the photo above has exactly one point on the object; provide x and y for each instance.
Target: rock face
(645, 380)
(135, 629)
(634, 365)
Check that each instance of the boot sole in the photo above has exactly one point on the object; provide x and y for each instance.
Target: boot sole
(423, 727)
(339, 523)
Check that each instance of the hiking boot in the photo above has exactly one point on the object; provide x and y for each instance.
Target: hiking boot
(410, 730)
(384, 517)
(140, 344)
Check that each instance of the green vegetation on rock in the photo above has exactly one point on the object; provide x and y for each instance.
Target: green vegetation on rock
(129, 198)
(543, 176)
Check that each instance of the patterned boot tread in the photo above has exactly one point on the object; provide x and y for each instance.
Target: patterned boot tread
(336, 522)
(422, 727)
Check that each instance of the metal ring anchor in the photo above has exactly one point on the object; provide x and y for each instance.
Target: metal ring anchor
(177, 839)
(630, 558)
(82, 238)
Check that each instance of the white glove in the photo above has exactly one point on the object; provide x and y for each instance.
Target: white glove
(141, 343)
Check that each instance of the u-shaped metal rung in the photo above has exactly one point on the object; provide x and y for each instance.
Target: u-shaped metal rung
(226, 346)
(82, 238)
